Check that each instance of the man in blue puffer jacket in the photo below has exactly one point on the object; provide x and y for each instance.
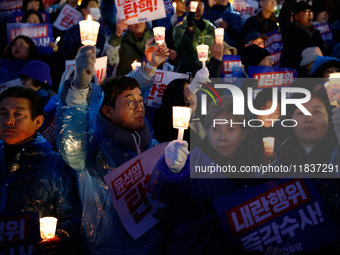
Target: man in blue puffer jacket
(95, 144)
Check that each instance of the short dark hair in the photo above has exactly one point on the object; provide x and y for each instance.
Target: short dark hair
(24, 5)
(264, 96)
(35, 102)
(174, 93)
(85, 3)
(33, 52)
(113, 87)
(28, 13)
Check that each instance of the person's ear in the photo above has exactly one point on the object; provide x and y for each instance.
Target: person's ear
(261, 4)
(39, 121)
(296, 15)
(107, 111)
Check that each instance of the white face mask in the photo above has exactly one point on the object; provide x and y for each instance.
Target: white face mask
(95, 13)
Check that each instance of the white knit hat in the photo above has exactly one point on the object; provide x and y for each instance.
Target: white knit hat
(309, 55)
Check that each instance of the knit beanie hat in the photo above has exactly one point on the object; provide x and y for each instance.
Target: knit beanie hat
(252, 56)
(37, 70)
(322, 63)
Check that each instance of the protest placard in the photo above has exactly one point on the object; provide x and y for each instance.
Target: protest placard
(19, 231)
(67, 18)
(274, 45)
(8, 8)
(272, 76)
(136, 11)
(288, 213)
(162, 79)
(245, 8)
(41, 34)
(231, 66)
(129, 190)
(11, 83)
(99, 67)
(326, 33)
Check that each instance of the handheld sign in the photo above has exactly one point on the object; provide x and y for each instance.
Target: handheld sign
(274, 45)
(8, 8)
(326, 34)
(67, 18)
(128, 186)
(289, 214)
(230, 64)
(41, 34)
(140, 11)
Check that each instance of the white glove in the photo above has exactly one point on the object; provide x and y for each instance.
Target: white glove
(201, 76)
(176, 155)
(336, 122)
(173, 19)
(84, 67)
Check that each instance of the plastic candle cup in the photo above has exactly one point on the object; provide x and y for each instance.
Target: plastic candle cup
(89, 31)
(159, 33)
(333, 89)
(219, 35)
(268, 143)
(202, 52)
(193, 6)
(48, 226)
(135, 64)
(180, 119)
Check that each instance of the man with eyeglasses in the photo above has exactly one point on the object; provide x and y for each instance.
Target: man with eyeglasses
(98, 130)
(298, 34)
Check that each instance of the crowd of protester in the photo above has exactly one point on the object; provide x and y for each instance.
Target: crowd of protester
(100, 127)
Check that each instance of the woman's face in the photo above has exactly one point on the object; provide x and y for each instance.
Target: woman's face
(33, 5)
(20, 49)
(322, 17)
(224, 138)
(310, 129)
(329, 71)
(33, 18)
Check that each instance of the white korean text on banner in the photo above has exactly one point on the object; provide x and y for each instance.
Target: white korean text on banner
(288, 214)
(99, 67)
(326, 33)
(41, 34)
(8, 7)
(5, 85)
(136, 11)
(67, 18)
(168, 7)
(232, 66)
(129, 190)
(19, 231)
(162, 79)
(18, 15)
(274, 45)
(245, 8)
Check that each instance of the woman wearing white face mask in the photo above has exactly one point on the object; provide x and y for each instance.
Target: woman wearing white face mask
(72, 37)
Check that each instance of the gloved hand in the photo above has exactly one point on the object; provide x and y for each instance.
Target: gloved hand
(84, 67)
(191, 19)
(201, 76)
(176, 155)
(173, 19)
(336, 122)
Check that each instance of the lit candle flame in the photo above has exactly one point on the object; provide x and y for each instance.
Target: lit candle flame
(89, 17)
(79, 2)
(174, 5)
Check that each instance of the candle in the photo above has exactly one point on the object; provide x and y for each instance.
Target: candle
(89, 31)
(159, 33)
(193, 6)
(48, 226)
(202, 52)
(334, 76)
(135, 64)
(180, 119)
(174, 5)
(268, 143)
(219, 35)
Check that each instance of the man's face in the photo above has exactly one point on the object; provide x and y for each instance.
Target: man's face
(138, 29)
(304, 17)
(268, 5)
(16, 124)
(123, 116)
(180, 6)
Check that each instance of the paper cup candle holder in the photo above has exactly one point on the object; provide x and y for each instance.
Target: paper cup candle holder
(89, 31)
(268, 143)
(48, 226)
(180, 119)
(202, 53)
(159, 33)
(333, 89)
(219, 35)
(193, 6)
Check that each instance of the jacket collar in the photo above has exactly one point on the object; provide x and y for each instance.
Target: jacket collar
(260, 17)
(136, 142)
